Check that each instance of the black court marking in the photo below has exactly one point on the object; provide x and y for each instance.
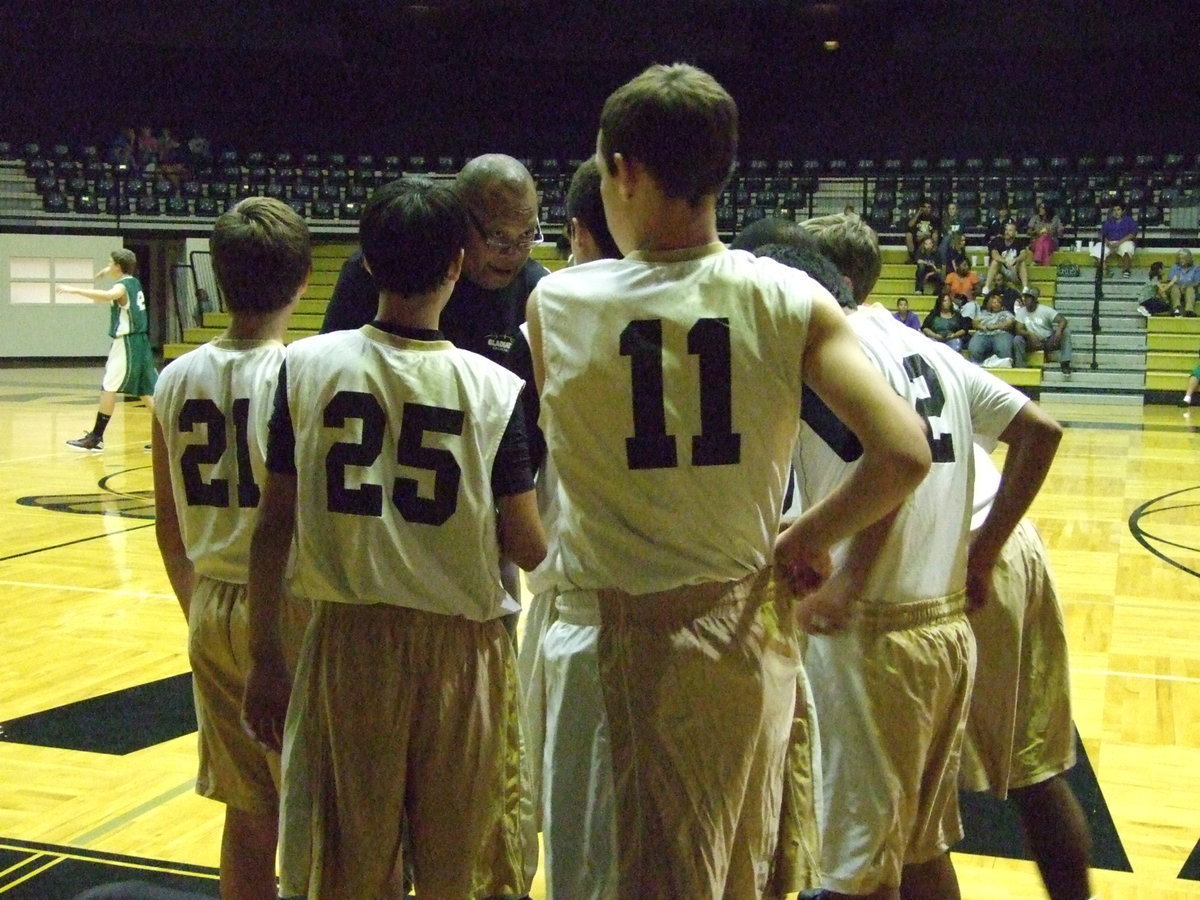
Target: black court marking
(33, 871)
(1155, 543)
(1191, 868)
(993, 828)
(116, 723)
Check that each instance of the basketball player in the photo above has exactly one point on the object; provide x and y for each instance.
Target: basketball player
(1020, 739)
(892, 656)
(667, 541)
(209, 440)
(130, 366)
(567, 734)
(405, 705)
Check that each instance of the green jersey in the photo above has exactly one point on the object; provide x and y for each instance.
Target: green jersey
(131, 318)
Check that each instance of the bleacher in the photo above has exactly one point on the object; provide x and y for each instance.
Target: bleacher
(56, 184)
(63, 189)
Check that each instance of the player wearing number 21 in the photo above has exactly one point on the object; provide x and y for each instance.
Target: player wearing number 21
(671, 387)
(209, 441)
(398, 464)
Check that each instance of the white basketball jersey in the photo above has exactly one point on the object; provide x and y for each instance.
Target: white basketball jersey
(925, 554)
(670, 408)
(395, 442)
(213, 405)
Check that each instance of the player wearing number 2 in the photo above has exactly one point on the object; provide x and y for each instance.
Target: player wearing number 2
(892, 658)
(671, 396)
(129, 368)
(389, 455)
(209, 441)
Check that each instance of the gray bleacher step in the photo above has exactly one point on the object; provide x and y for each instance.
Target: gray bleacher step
(1082, 375)
(1049, 398)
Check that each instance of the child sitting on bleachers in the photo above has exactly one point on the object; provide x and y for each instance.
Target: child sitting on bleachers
(1153, 299)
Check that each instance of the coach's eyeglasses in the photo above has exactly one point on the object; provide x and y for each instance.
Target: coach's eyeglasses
(504, 245)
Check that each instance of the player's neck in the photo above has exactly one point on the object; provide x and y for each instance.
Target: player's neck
(249, 326)
(418, 312)
(678, 225)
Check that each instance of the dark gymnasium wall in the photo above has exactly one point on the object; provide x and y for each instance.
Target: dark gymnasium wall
(918, 78)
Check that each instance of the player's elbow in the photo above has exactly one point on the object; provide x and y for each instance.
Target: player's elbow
(522, 538)
(527, 552)
(910, 462)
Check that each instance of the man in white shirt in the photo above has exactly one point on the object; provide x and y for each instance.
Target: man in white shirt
(1041, 328)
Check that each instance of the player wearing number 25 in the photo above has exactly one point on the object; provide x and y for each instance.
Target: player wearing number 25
(209, 442)
(398, 467)
(671, 385)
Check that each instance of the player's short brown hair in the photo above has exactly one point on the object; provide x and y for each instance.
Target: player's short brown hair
(679, 123)
(261, 254)
(853, 246)
(126, 260)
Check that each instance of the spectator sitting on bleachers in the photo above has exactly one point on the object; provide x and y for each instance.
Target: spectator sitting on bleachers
(956, 252)
(122, 150)
(921, 225)
(1041, 328)
(147, 149)
(963, 280)
(997, 223)
(993, 337)
(951, 228)
(1009, 256)
(906, 316)
(945, 325)
(1045, 231)
(1181, 284)
(928, 273)
(1192, 384)
(1009, 295)
(1116, 241)
(1154, 297)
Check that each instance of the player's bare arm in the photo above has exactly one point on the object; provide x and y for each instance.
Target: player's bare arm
(895, 456)
(268, 685)
(180, 571)
(522, 538)
(533, 322)
(1032, 438)
(115, 294)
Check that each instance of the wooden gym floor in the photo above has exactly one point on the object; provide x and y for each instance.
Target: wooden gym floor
(97, 755)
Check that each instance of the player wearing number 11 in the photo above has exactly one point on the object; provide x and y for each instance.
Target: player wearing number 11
(398, 464)
(209, 442)
(671, 387)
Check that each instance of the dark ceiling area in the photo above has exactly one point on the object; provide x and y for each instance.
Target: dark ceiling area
(926, 77)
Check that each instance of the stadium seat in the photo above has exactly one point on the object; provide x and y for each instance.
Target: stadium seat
(55, 202)
(298, 205)
(284, 160)
(46, 184)
(275, 190)
(329, 192)
(177, 206)
(259, 174)
(114, 208)
(87, 205)
(76, 185)
(302, 192)
(148, 205)
(322, 209)
(310, 160)
(256, 158)
(206, 207)
(219, 190)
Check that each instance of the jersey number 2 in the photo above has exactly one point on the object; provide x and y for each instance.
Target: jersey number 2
(416, 419)
(942, 446)
(651, 447)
